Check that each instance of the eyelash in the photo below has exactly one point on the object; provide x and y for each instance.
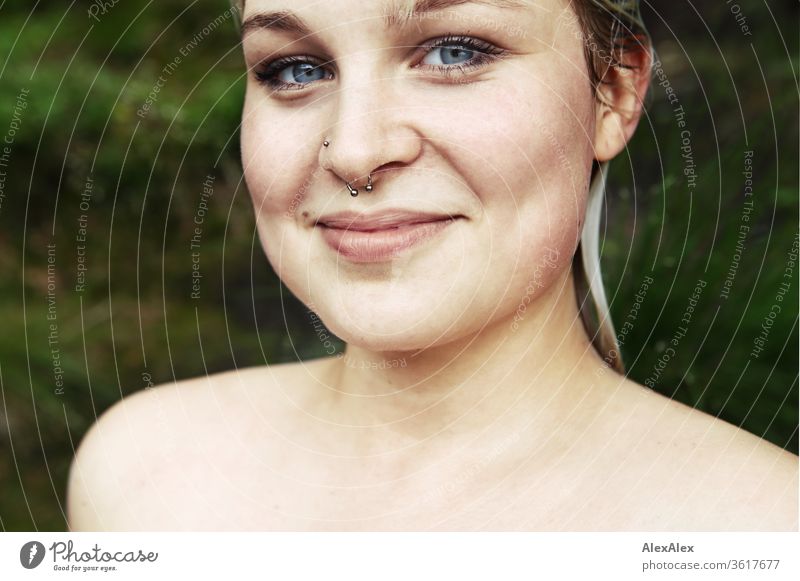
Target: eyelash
(485, 52)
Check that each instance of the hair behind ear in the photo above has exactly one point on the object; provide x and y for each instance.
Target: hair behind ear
(591, 295)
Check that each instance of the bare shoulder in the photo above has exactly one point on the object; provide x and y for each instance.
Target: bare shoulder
(722, 477)
(134, 454)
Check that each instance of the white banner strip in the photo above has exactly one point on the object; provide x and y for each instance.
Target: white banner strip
(400, 556)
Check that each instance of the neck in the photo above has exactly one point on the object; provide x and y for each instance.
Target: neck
(539, 367)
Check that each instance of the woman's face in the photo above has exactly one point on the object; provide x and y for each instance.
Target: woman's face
(476, 111)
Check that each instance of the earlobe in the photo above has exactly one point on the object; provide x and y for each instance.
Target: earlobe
(620, 96)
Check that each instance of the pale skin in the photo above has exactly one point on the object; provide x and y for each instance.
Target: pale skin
(446, 412)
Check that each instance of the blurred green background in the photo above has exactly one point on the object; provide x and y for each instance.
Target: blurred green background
(70, 88)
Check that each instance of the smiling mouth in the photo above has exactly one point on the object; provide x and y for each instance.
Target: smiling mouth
(380, 238)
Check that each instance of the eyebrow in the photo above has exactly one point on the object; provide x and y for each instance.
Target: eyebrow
(399, 15)
(396, 15)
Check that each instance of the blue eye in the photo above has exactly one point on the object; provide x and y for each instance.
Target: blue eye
(449, 55)
(292, 73)
(459, 53)
(300, 73)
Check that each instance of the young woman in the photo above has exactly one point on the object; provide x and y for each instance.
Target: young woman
(426, 177)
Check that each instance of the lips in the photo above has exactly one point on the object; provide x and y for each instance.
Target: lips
(382, 221)
(380, 237)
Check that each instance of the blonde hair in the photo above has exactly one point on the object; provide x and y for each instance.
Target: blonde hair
(609, 28)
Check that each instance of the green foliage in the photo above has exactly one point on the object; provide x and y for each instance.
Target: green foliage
(681, 229)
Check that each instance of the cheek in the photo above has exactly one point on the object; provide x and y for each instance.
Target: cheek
(550, 132)
(277, 172)
(528, 159)
(274, 165)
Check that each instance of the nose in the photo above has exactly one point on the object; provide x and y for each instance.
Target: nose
(371, 131)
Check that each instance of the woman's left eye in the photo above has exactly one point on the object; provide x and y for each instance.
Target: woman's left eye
(459, 52)
(448, 55)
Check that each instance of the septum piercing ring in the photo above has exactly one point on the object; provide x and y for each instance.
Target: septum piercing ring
(353, 191)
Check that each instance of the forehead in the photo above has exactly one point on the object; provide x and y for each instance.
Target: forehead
(294, 16)
(525, 27)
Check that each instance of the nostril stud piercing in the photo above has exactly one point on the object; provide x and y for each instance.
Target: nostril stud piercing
(326, 143)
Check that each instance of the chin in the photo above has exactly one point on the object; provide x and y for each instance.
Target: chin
(400, 343)
(387, 327)
(401, 321)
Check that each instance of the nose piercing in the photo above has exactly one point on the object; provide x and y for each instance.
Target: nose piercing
(353, 191)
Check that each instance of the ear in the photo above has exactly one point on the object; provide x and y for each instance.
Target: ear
(620, 96)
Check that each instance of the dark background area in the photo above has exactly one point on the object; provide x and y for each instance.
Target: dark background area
(66, 354)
